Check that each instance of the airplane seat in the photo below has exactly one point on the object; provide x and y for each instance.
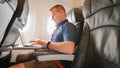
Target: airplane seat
(14, 16)
(101, 35)
(75, 16)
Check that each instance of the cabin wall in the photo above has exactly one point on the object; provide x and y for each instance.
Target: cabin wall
(39, 14)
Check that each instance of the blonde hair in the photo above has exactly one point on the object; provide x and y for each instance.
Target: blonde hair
(58, 8)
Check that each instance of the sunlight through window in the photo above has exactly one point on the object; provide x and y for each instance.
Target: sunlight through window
(50, 26)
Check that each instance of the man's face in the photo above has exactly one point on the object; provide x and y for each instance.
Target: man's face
(56, 16)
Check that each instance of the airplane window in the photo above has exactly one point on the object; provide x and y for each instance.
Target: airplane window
(50, 26)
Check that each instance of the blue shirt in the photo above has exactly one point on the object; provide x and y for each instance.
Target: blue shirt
(66, 31)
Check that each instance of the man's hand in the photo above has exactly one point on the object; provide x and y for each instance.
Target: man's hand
(38, 42)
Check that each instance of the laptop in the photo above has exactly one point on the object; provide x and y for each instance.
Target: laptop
(23, 41)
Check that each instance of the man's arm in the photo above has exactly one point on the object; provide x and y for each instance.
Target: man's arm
(64, 47)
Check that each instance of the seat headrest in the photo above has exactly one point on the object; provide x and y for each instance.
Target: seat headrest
(75, 15)
(99, 13)
(92, 6)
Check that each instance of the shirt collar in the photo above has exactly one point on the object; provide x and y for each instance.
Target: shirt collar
(64, 21)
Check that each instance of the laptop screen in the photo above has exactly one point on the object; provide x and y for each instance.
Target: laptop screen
(22, 37)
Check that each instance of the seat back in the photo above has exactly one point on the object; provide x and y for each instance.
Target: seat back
(101, 43)
(75, 16)
(10, 31)
(17, 21)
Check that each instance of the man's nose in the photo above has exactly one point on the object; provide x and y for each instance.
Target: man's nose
(52, 17)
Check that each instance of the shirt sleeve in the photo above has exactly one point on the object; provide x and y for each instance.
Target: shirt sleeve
(70, 33)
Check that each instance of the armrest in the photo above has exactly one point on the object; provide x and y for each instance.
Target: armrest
(45, 56)
(25, 48)
(7, 49)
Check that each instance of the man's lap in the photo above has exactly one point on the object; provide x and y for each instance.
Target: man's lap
(34, 64)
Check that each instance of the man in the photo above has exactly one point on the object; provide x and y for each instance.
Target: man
(64, 38)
